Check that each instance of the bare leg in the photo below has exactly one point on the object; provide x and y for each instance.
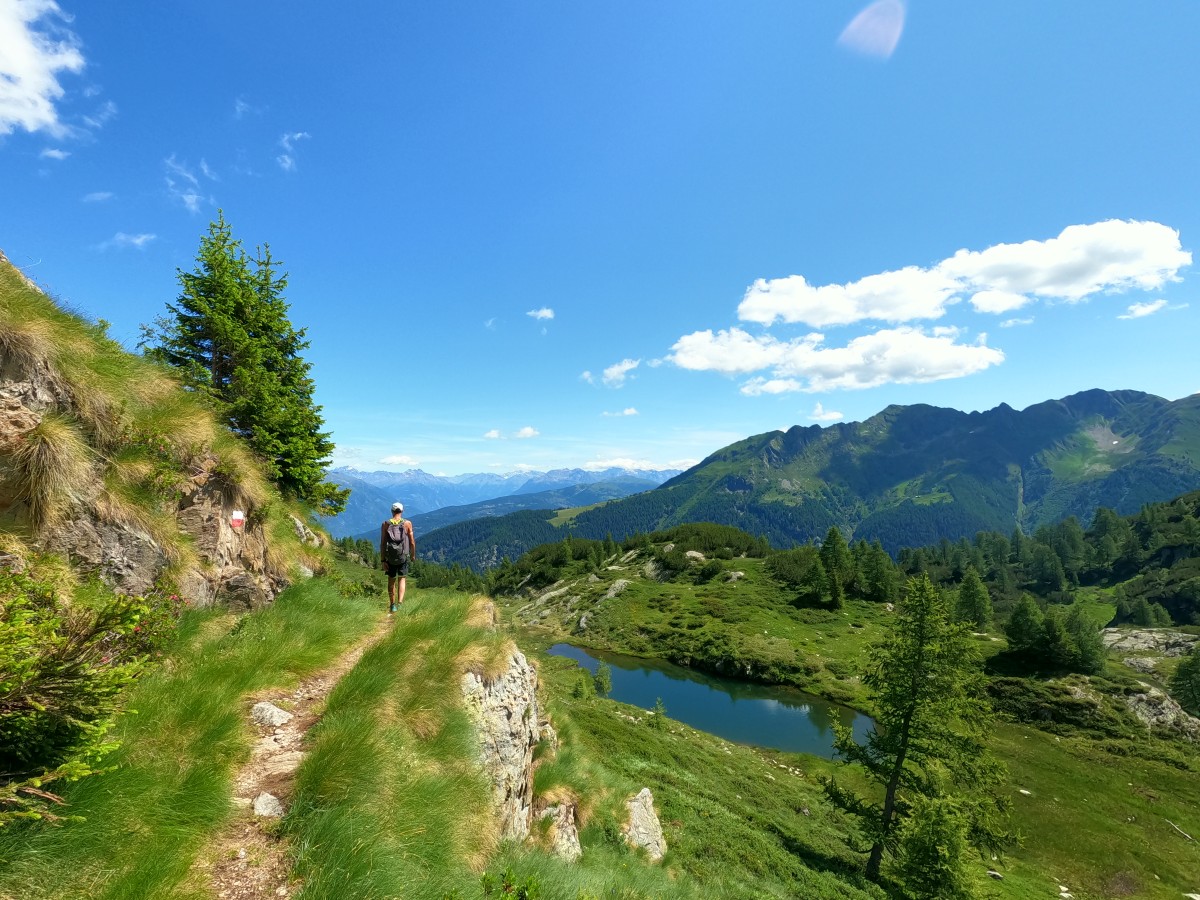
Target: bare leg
(392, 592)
(400, 598)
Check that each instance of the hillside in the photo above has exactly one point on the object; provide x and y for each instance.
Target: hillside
(911, 475)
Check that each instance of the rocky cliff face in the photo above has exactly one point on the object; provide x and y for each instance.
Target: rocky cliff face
(505, 711)
(233, 563)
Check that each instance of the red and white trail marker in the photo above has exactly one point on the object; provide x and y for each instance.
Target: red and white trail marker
(237, 519)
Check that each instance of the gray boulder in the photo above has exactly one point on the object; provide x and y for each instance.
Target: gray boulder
(643, 828)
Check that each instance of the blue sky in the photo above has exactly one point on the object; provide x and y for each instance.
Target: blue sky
(558, 234)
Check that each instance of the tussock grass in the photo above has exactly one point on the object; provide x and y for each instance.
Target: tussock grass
(51, 458)
(170, 788)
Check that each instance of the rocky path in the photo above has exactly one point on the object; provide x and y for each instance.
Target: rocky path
(247, 861)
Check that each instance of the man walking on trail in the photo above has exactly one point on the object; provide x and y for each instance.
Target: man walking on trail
(397, 547)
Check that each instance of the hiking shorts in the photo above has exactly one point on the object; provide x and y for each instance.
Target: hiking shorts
(397, 571)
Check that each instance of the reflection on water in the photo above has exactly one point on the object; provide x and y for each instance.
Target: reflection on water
(777, 717)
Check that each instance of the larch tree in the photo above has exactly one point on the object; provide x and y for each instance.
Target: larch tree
(930, 741)
(1185, 683)
(974, 604)
(229, 335)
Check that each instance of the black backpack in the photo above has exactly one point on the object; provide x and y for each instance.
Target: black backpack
(396, 548)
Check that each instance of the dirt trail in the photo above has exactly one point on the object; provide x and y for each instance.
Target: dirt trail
(246, 861)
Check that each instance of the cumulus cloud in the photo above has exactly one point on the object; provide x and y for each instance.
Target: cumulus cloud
(37, 47)
(527, 432)
(614, 376)
(1141, 310)
(627, 411)
(587, 376)
(493, 435)
(821, 414)
(54, 153)
(398, 459)
(98, 196)
(121, 240)
(288, 141)
(876, 30)
(1083, 260)
(904, 355)
(544, 313)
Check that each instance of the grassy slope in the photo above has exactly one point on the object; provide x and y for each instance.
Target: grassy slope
(182, 739)
(1097, 818)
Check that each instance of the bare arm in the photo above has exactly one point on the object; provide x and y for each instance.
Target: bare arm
(412, 539)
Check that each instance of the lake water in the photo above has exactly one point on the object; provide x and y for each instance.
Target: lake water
(777, 717)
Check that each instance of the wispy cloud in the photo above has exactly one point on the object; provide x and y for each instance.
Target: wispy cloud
(587, 376)
(106, 112)
(527, 432)
(627, 411)
(626, 462)
(288, 141)
(399, 459)
(544, 313)
(98, 196)
(876, 30)
(54, 153)
(37, 47)
(490, 324)
(242, 107)
(493, 435)
(183, 185)
(1013, 323)
(207, 171)
(821, 414)
(616, 374)
(121, 241)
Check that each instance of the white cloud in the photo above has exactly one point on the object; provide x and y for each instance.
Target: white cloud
(998, 301)
(183, 185)
(587, 376)
(287, 159)
(628, 411)
(1141, 310)
(36, 48)
(493, 435)
(821, 414)
(903, 355)
(899, 296)
(625, 462)
(208, 173)
(1012, 323)
(98, 119)
(544, 313)
(614, 376)
(98, 196)
(490, 324)
(1083, 260)
(121, 240)
(527, 432)
(876, 30)
(54, 153)
(398, 459)
(757, 386)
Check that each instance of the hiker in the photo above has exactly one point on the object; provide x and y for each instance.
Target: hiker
(397, 547)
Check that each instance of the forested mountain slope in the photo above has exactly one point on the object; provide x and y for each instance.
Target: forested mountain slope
(912, 475)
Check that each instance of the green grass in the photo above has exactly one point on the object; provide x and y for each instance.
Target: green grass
(181, 740)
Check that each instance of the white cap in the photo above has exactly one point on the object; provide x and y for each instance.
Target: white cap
(397, 506)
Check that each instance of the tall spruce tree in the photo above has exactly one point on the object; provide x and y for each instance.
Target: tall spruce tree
(229, 335)
(974, 604)
(927, 685)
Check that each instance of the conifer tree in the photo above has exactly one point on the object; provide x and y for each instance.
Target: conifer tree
(1185, 683)
(927, 685)
(835, 556)
(974, 604)
(229, 335)
(1024, 629)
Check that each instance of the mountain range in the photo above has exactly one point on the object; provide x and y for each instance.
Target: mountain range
(907, 476)
(372, 493)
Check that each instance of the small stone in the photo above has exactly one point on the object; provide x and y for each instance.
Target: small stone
(1024, 792)
(268, 806)
(269, 715)
(994, 874)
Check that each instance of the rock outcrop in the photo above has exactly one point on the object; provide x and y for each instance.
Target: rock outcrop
(643, 828)
(1157, 710)
(234, 565)
(1168, 643)
(563, 834)
(504, 709)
